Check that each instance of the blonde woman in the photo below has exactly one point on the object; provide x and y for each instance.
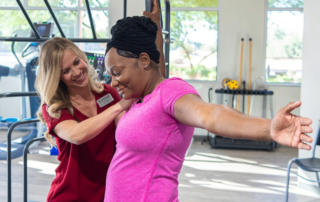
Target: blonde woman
(82, 115)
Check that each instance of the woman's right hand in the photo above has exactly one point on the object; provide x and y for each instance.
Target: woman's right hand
(126, 104)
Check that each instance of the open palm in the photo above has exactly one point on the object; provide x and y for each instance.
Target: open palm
(289, 129)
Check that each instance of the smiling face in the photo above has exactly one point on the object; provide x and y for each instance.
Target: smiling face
(74, 71)
(129, 75)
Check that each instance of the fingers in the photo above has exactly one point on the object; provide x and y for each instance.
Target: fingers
(306, 138)
(306, 129)
(305, 121)
(155, 4)
(291, 106)
(304, 146)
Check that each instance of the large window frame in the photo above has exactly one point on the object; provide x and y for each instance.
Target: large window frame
(77, 8)
(217, 9)
(267, 9)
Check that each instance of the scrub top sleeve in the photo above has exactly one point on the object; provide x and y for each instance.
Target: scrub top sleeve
(52, 122)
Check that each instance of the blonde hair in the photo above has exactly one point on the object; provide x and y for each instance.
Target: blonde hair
(51, 90)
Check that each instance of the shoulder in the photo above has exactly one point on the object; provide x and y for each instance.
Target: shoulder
(175, 85)
(48, 118)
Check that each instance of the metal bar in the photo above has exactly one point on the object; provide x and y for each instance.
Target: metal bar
(91, 20)
(19, 94)
(35, 31)
(165, 32)
(54, 18)
(9, 196)
(25, 166)
(167, 37)
(271, 106)
(125, 3)
(55, 8)
(33, 39)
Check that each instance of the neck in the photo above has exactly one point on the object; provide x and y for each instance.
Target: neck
(155, 79)
(80, 93)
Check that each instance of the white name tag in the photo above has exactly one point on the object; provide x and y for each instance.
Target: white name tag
(105, 100)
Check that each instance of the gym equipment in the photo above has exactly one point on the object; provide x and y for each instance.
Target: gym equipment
(25, 166)
(40, 39)
(307, 164)
(230, 84)
(28, 71)
(250, 69)
(240, 73)
(217, 141)
(96, 60)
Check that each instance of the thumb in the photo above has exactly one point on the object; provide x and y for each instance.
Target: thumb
(291, 106)
(146, 13)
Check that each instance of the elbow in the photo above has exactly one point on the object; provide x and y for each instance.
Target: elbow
(212, 118)
(76, 139)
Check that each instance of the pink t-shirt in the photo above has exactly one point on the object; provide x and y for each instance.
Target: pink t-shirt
(151, 145)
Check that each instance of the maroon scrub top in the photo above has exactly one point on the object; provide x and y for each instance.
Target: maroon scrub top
(81, 174)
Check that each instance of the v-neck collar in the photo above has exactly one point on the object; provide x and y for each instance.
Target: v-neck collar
(96, 97)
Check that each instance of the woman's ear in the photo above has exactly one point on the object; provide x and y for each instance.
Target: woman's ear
(144, 60)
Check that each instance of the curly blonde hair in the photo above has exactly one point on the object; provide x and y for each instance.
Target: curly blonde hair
(51, 90)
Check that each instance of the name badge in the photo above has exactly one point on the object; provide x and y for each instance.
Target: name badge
(107, 99)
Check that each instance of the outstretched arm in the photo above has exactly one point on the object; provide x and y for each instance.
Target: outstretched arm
(155, 16)
(285, 128)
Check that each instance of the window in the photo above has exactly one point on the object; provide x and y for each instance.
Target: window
(284, 41)
(71, 14)
(194, 30)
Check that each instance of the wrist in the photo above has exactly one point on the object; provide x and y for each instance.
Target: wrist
(118, 108)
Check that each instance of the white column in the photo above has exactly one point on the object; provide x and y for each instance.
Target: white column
(310, 95)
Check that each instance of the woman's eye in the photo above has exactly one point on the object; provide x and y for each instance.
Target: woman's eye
(77, 62)
(66, 71)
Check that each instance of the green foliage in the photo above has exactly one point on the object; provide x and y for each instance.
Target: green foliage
(280, 79)
(68, 3)
(194, 3)
(182, 22)
(285, 3)
(294, 49)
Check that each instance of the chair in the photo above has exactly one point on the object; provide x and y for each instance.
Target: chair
(308, 164)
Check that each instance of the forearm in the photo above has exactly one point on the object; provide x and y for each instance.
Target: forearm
(91, 127)
(227, 122)
(159, 43)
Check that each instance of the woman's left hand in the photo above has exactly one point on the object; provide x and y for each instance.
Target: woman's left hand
(289, 129)
(155, 14)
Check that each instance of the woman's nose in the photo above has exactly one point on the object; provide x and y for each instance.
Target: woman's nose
(114, 82)
(76, 71)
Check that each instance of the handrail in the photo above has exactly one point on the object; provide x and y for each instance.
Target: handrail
(167, 36)
(9, 194)
(25, 166)
(19, 94)
(44, 39)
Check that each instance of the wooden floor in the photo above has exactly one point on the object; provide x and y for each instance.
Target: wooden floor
(219, 175)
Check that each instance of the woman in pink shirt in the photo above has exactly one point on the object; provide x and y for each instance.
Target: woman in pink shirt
(154, 134)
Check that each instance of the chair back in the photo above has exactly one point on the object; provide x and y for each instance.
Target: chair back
(317, 142)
